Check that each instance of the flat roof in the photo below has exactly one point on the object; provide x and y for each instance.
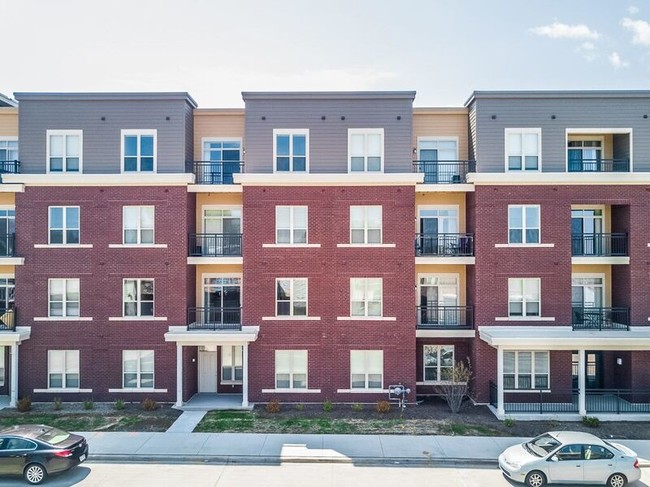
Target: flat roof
(327, 95)
(97, 96)
(554, 94)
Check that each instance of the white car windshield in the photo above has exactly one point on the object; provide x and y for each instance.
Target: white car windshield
(542, 445)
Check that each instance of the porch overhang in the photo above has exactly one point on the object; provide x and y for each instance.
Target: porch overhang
(21, 334)
(182, 336)
(564, 338)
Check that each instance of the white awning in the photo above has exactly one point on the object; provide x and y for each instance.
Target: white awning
(183, 336)
(19, 335)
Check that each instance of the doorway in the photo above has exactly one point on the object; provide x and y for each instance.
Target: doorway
(593, 369)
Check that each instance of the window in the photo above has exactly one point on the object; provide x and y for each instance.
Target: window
(64, 225)
(63, 297)
(586, 155)
(290, 224)
(366, 150)
(2, 366)
(137, 369)
(291, 149)
(366, 369)
(524, 297)
(365, 224)
(7, 231)
(221, 159)
(365, 296)
(523, 149)
(139, 150)
(137, 224)
(64, 150)
(438, 362)
(291, 297)
(597, 452)
(8, 150)
(525, 370)
(63, 369)
(291, 369)
(232, 369)
(138, 297)
(523, 224)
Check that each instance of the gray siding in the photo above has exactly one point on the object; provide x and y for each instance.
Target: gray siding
(614, 112)
(328, 139)
(101, 139)
(472, 133)
(189, 135)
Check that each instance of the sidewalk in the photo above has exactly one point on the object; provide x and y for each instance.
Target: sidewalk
(269, 448)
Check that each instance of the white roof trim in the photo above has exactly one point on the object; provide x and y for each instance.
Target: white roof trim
(536, 178)
(340, 179)
(21, 334)
(182, 336)
(126, 179)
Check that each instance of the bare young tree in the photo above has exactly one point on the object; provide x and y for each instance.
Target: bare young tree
(455, 384)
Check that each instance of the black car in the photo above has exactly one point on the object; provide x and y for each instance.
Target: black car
(36, 451)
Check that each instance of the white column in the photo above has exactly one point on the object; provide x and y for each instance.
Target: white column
(582, 382)
(244, 385)
(501, 411)
(13, 395)
(179, 375)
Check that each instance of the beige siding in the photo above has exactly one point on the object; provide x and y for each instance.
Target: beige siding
(7, 199)
(9, 122)
(227, 123)
(7, 270)
(442, 123)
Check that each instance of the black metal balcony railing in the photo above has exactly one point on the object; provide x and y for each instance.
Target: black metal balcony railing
(444, 244)
(588, 318)
(10, 167)
(599, 244)
(215, 244)
(444, 172)
(8, 319)
(536, 401)
(456, 317)
(618, 401)
(215, 172)
(207, 318)
(599, 165)
(7, 245)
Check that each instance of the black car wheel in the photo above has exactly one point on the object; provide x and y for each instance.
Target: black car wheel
(535, 479)
(617, 480)
(34, 473)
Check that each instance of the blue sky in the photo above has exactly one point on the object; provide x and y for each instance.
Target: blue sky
(215, 49)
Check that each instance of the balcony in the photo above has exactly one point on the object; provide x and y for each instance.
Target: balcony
(7, 245)
(444, 172)
(434, 317)
(215, 172)
(214, 319)
(592, 318)
(599, 165)
(9, 167)
(599, 245)
(444, 245)
(8, 319)
(215, 245)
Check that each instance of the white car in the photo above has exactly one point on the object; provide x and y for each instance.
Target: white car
(570, 457)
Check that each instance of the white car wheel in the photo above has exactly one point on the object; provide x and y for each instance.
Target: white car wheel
(617, 480)
(35, 473)
(535, 479)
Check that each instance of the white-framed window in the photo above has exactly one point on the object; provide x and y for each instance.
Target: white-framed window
(63, 297)
(366, 150)
(365, 224)
(137, 369)
(290, 224)
(291, 369)
(222, 150)
(525, 370)
(64, 150)
(138, 224)
(524, 224)
(366, 369)
(8, 149)
(138, 297)
(232, 364)
(366, 296)
(63, 369)
(291, 150)
(2, 366)
(523, 149)
(139, 150)
(524, 297)
(438, 362)
(64, 224)
(291, 297)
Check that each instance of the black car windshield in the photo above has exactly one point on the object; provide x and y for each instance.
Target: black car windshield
(542, 445)
(53, 436)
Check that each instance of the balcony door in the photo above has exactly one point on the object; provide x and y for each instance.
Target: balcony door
(439, 300)
(438, 160)
(221, 160)
(593, 369)
(587, 291)
(7, 231)
(438, 231)
(585, 155)
(221, 300)
(221, 231)
(586, 231)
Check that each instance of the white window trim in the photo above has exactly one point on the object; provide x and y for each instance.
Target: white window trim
(139, 226)
(366, 388)
(139, 372)
(594, 275)
(441, 138)
(525, 227)
(447, 275)
(225, 275)
(365, 225)
(292, 372)
(523, 130)
(152, 317)
(65, 227)
(222, 139)
(366, 316)
(291, 299)
(125, 132)
(290, 132)
(63, 378)
(292, 226)
(438, 368)
(233, 366)
(524, 316)
(64, 316)
(597, 131)
(239, 208)
(14, 138)
(49, 133)
(366, 131)
(532, 358)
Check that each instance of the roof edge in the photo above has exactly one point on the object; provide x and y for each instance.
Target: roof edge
(327, 95)
(550, 94)
(6, 101)
(98, 96)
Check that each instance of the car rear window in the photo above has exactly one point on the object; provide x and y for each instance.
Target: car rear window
(54, 436)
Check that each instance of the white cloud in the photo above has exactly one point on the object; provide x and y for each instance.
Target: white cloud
(587, 46)
(632, 10)
(557, 30)
(588, 51)
(640, 29)
(616, 61)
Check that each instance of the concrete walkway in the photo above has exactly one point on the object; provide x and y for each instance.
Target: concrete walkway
(268, 448)
(187, 421)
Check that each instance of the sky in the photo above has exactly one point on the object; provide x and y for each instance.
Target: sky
(216, 49)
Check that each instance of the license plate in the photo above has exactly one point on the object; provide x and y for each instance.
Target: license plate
(82, 457)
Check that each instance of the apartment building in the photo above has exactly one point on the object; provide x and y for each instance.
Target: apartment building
(324, 246)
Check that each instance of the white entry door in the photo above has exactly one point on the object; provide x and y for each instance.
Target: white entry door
(207, 371)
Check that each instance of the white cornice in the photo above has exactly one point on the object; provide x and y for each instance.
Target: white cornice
(342, 179)
(559, 178)
(67, 179)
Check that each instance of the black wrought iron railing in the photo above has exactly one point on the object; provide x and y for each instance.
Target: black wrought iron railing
(444, 172)
(536, 401)
(214, 244)
(599, 244)
(215, 172)
(10, 167)
(599, 165)
(593, 318)
(8, 245)
(8, 319)
(207, 318)
(436, 317)
(444, 244)
(617, 401)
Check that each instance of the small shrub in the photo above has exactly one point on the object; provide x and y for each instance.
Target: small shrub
(328, 406)
(89, 404)
(300, 407)
(273, 407)
(24, 404)
(58, 404)
(382, 407)
(357, 408)
(509, 422)
(149, 404)
(119, 405)
(591, 421)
